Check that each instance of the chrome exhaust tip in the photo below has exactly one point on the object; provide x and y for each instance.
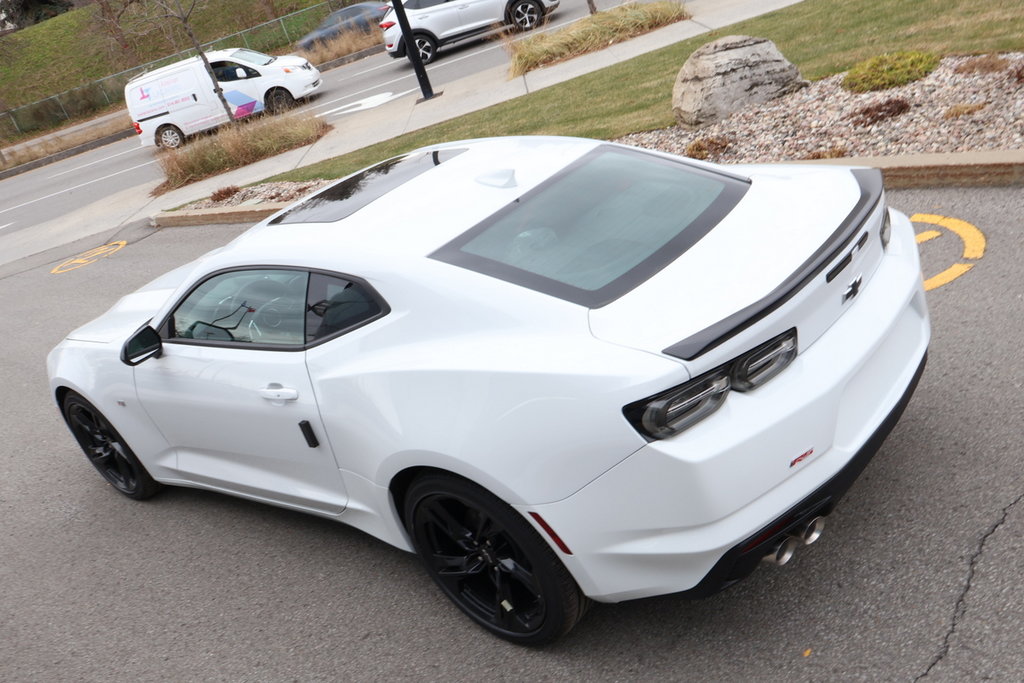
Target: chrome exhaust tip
(810, 532)
(783, 551)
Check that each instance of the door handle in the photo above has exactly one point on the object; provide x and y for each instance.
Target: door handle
(279, 394)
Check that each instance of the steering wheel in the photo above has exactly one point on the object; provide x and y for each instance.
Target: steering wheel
(269, 316)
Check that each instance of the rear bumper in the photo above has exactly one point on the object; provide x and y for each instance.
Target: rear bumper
(695, 512)
(745, 556)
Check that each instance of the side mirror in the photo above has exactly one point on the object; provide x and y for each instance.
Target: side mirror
(142, 345)
(240, 73)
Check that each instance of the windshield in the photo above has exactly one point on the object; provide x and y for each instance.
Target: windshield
(253, 57)
(597, 229)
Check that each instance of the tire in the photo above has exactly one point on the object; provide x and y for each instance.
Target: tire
(490, 562)
(278, 100)
(106, 450)
(427, 47)
(169, 137)
(525, 14)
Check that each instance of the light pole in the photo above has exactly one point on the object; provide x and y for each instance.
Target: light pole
(411, 50)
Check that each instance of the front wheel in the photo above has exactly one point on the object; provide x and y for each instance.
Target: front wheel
(106, 450)
(525, 14)
(490, 562)
(279, 100)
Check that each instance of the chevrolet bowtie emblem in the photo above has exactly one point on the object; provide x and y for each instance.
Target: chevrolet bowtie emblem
(853, 289)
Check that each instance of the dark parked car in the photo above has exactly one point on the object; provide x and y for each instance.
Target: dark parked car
(362, 16)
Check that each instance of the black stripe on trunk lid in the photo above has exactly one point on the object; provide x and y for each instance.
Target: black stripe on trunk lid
(870, 181)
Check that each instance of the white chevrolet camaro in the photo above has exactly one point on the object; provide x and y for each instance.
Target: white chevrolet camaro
(560, 370)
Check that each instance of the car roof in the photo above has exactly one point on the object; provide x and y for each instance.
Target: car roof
(420, 215)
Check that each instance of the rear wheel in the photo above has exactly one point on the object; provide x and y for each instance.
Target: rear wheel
(525, 14)
(426, 46)
(490, 562)
(279, 100)
(106, 450)
(169, 137)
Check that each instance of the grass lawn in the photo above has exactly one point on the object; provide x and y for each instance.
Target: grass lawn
(822, 37)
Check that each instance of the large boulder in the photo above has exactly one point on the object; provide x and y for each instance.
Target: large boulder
(728, 74)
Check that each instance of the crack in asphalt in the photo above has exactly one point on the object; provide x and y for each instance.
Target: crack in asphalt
(961, 606)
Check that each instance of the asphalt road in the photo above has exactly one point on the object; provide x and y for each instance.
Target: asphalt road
(917, 576)
(50, 192)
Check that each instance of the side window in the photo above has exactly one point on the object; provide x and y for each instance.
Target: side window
(264, 307)
(228, 71)
(336, 304)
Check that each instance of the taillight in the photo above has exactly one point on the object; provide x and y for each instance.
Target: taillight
(756, 367)
(886, 232)
(137, 127)
(670, 412)
(386, 24)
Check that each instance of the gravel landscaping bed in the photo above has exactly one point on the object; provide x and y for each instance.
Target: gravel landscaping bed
(959, 107)
(962, 106)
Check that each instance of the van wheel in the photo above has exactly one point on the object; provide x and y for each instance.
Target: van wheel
(278, 100)
(169, 137)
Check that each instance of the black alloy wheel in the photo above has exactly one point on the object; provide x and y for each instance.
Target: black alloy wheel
(106, 450)
(492, 564)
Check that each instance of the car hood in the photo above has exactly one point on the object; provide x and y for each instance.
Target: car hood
(132, 311)
(289, 60)
(788, 213)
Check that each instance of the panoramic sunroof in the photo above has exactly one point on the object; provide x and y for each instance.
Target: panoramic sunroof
(353, 193)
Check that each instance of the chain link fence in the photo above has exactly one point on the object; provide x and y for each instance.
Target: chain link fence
(88, 99)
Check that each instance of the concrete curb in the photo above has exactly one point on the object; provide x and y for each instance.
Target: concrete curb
(70, 152)
(217, 216)
(971, 169)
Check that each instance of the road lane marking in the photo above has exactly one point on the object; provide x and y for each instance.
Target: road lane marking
(69, 189)
(971, 237)
(98, 161)
(6, 225)
(366, 103)
(91, 256)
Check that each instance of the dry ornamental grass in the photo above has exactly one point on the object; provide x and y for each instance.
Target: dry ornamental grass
(592, 33)
(343, 45)
(237, 145)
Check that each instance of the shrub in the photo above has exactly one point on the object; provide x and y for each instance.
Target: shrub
(985, 64)
(889, 71)
(237, 145)
(594, 32)
(873, 113)
(958, 110)
(703, 148)
(223, 193)
(342, 45)
(836, 152)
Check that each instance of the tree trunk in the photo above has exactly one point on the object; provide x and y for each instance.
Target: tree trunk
(591, 6)
(206, 63)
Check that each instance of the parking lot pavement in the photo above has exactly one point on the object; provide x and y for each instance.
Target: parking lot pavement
(918, 572)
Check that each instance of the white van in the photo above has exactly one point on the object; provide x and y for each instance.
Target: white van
(178, 100)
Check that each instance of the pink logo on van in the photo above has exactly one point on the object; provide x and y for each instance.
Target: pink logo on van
(143, 94)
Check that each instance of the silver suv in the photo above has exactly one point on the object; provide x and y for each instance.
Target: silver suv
(441, 22)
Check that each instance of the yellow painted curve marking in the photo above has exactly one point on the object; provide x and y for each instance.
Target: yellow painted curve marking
(88, 257)
(972, 238)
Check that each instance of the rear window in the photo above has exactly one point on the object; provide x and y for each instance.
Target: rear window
(599, 228)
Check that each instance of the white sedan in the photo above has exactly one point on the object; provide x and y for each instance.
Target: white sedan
(560, 370)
